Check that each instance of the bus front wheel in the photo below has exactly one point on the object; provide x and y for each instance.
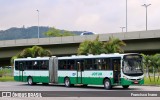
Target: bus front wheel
(107, 84)
(125, 86)
(67, 82)
(30, 81)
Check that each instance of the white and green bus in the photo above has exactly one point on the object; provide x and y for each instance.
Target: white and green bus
(105, 69)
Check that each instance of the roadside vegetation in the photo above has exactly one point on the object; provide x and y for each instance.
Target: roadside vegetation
(35, 51)
(53, 32)
(6, 75)
(114, 45)
(152, 69)
(6, 78)
(152, 82)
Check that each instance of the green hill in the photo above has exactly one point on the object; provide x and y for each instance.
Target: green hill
(25, 33)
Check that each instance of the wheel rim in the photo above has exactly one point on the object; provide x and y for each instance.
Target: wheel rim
(30, 81)
(107, 84)
(67, 82)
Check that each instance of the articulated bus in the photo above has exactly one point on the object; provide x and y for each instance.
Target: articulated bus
(104, 69)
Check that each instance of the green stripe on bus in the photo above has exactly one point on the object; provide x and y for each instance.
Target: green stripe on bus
(74, 80)
(85, 80)
(37, 79)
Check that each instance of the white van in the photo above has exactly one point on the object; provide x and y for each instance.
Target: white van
(87, 33)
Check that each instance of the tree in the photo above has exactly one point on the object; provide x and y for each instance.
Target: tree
(58, 33)
(114, 45)
(12, 59)
(84, 47)
(147, 63)
(91, 47)
(152, 62)
(35, 51)
(28, 52)
(97, 47)
(156, 61)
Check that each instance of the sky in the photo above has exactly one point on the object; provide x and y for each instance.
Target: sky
(99, 16)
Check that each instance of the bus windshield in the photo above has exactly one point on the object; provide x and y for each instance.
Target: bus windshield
(132, 65)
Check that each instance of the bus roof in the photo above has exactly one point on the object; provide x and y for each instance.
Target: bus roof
(78, 56)
(95, 56)
(37, 58)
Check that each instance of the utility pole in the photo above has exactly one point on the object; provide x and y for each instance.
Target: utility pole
(126, 16)
(122, 28)
(146, 6)
(38, 22)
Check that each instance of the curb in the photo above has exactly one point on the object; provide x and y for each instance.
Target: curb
(152, 85)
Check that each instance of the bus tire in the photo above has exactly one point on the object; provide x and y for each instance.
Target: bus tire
(45, 83)
(107, 84)
(125, 86)
(30, 81)
(85, 85)
(67, 82)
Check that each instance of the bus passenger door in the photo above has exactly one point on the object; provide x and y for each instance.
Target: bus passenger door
(80, 71)
(116, 66)
(21, 69)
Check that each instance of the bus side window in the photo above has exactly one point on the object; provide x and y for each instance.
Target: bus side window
(88, 64)
(103, 66)
(71, 67)
(21, 65)
(61, 65)
(16, 65)
(108, 64)
(79, 67)
(91, 68)
(43, 65)
(29, 65)
(35, 65)
(97, 63)
(64, 67)
(70, 64)
(99, 67)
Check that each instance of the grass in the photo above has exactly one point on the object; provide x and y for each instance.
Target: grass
(6, 78)
(6, 75)
(147, 81)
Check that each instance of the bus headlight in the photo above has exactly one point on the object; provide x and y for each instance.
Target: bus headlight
(125, 77)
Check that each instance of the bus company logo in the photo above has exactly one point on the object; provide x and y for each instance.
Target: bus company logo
(97, 74)
(73, 74)
(6, 94)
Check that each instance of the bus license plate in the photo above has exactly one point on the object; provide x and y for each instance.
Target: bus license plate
(135, 82)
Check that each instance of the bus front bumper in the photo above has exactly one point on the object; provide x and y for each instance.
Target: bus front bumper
(131, 82)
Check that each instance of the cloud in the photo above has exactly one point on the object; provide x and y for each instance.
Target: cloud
(87, 20)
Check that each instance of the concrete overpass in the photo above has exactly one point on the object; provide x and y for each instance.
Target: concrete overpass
(141, 41)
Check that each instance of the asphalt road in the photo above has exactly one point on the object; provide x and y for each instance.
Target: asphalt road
(21, 86)
(62, 92)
